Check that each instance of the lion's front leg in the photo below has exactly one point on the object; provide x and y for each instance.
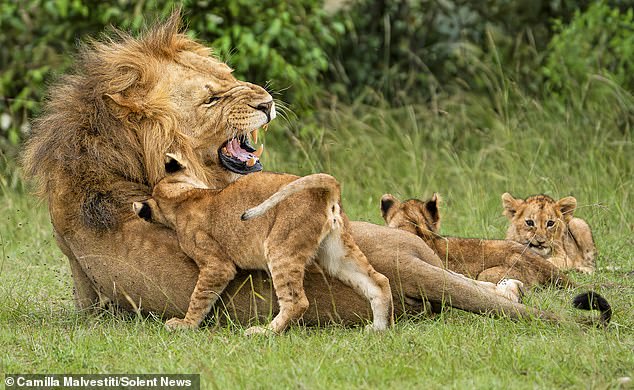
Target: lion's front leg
(84, 292)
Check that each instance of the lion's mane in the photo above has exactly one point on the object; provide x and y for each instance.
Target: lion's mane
(97, 151)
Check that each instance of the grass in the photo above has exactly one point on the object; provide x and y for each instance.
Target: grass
(471, 152)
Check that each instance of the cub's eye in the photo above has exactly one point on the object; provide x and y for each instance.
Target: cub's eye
(530, 223)
(211, 100)
(550, 223)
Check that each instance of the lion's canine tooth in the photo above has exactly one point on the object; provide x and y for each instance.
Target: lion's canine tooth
(225, 151)
(265, 127)
(251, 161)
(254, 136)
(258, 152)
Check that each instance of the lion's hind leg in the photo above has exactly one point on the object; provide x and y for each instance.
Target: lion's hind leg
(342, 258)
(501, 281)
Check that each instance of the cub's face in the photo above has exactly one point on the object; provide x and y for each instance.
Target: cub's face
(417, 217)
(172, 189)
(538, 221)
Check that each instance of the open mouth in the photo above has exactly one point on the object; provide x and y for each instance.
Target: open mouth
(238, 154)
(541, 249)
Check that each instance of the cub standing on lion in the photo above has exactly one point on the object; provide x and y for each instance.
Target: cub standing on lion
(308, 224)
(486, 260)
(548, 227)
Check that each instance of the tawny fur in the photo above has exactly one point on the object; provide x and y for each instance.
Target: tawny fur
(487, 260)
(306, 224)
(548, 227)
(99, 146)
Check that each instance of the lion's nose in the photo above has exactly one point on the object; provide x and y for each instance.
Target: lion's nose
(266, 108)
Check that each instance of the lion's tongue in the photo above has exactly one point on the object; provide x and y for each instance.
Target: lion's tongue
(233, 147)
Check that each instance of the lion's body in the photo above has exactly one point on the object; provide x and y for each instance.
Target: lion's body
(306, 225)
(100, 144)
(548, 228)
(487, 260)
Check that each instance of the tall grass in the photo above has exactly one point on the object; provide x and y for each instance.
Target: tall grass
(469, 148)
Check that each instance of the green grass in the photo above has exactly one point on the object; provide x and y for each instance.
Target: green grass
(469, 152)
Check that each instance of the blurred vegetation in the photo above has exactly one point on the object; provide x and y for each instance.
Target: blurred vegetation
(382, 53)
(407, 51)
(593, 54)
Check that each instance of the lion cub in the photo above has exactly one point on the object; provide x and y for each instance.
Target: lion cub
(548, 227)
(307, 224)
(485, 260)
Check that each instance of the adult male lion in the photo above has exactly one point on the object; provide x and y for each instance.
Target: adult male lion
(99, 146)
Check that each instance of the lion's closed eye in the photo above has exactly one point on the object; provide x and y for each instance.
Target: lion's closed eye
(211, 100)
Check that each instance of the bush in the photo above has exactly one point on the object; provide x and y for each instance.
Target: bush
(599, 41)
(278, 43)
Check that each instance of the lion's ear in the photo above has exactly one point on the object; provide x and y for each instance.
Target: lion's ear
(510, 205)
(387, 203)
(174, 163)
(567, 207)
(121, 101)
(123, 107)
(143, 210)
(118, 98)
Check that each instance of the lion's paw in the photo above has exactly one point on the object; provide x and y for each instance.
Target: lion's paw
(257, 331)
(179, 324)
(511, 288)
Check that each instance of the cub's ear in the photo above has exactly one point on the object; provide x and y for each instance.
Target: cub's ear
(174, 163)
(387, 203)
(567, 207)
(433, 203)
(433, 208)
(143, 210)
(510, 205)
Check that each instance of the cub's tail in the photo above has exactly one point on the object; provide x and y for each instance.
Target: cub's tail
(315, 181)
(592, 301)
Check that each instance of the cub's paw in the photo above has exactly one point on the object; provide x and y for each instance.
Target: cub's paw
(178, 324)
(258, 330)
(511, 288)
(375, 328)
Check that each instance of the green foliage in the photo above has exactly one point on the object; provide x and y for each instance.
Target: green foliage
(278, 43)
(594, 53)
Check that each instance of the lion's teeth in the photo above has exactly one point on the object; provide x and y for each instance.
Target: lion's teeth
(258, 152)
(225, 151)
(254, 136)
(265, 127)
(251, 161)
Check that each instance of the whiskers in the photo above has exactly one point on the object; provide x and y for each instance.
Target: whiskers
(281, 107)
(284, 111)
